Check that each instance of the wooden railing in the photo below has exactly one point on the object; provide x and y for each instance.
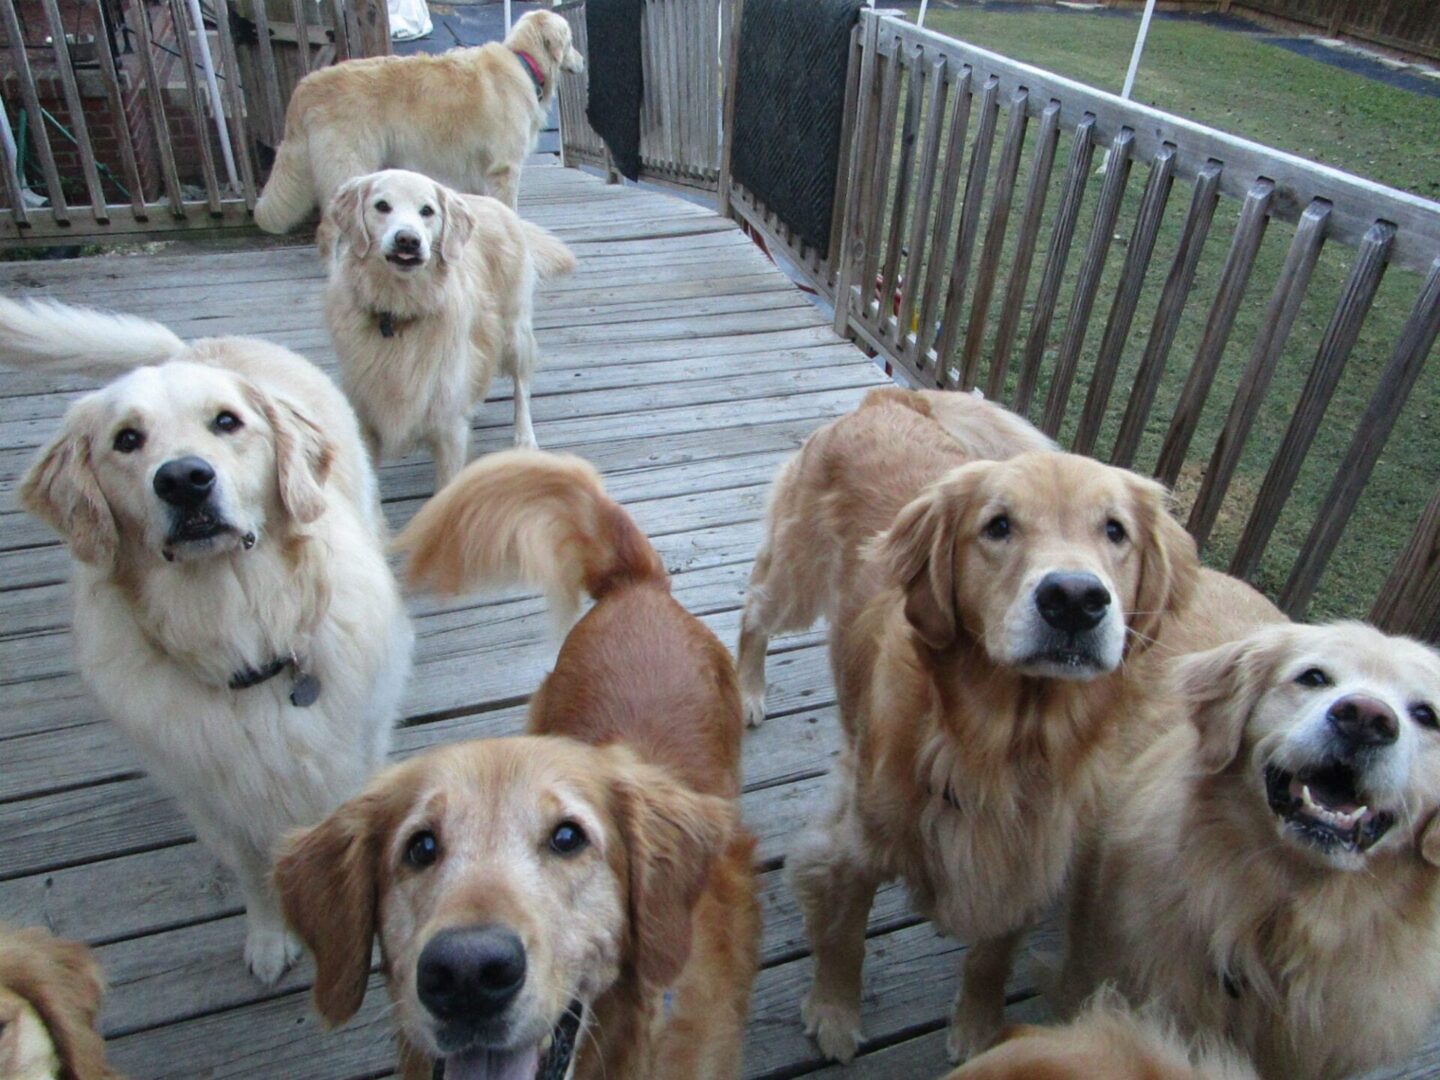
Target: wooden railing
(1006, 229)
(156, 118)
(680, 112)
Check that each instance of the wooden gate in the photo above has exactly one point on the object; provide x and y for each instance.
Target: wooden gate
(129, 118)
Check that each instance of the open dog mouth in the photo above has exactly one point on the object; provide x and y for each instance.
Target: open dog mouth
(1323, 804)
(405, 260)
(539, 1061)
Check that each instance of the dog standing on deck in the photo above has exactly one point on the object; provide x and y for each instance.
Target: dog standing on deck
(431, 292)
(579, 902)
(468, 118)
(234, 613)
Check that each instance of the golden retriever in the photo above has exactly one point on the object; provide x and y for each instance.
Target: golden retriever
(430, 292)
(1107, 1041)
(985, 650)
(1270, 871)
(579, 901)
(888, 449)
(468, 118)
(234, 612)
(50, 994)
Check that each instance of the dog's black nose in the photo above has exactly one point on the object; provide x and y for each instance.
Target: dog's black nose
(1072, 602)
(1364, 722)
(472, 973)
(407, 242)
(185, 482)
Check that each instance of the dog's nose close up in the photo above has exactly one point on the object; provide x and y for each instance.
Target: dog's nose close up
(1364, 722)
(406, 242)
(185, 482)
(1072, 602)
(472, 973)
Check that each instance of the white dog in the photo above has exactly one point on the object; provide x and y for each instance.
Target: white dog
(430, 292)
(468, 118)
(233, 609)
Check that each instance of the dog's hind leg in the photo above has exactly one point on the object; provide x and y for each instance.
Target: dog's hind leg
(755, 639)
(980, 1005)
(503, 183)
(835, 887)
(522, 363)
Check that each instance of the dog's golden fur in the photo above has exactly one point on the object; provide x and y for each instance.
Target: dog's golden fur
(635, 735)
(971, 768)
(1107, 1041)
(468, 118)
(1320, 962)
(419, 343)
(293, 566)
(50, 993)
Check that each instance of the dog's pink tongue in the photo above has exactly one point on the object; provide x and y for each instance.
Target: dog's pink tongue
(494, 1064)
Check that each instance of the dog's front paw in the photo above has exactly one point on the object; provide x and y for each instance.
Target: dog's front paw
(834, 1027)
(269, 953)
(754, 710)
(971, 1032)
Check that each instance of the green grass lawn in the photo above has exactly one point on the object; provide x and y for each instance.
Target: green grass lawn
(1239, 84)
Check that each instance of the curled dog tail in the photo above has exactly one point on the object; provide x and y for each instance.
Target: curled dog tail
(552, 258)
(45, 335)
(289, 194)
(525, 516)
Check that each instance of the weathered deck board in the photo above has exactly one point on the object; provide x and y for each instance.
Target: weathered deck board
(684, 366)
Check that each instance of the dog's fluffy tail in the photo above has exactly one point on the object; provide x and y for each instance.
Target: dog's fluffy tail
(289, 194)
(46, 335)
(525, 516)
(552, 258)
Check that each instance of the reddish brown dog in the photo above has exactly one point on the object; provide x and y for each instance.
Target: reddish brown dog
(579, 898)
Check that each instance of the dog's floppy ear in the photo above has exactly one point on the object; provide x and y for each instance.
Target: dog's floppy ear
(1169, 562)
(346, 213)
(919, 551)
(1221, 688)
(457, 223)
(60, 489)
(328, 879)
(303, 455)
(671, 835)
(1430, 841)
(63, 984)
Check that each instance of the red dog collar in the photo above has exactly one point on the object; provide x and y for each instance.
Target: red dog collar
(537, 76)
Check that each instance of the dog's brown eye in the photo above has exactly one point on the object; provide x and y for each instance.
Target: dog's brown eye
(227, 422)
(1424, 715)
(383, 206)
(1313, 677)
(427, 211)
(1115, 531)
(998, 527)
(128, 440)
(568, 838)
(422, 850)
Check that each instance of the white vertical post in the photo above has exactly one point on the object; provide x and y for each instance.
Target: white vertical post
(217, 104)
(1139, 48)
(507, 18)
(920, 19)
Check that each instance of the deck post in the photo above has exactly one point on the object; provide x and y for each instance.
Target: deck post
(852, 231)
(730, 50)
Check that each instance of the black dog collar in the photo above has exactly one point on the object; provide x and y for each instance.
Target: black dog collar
(303, 694)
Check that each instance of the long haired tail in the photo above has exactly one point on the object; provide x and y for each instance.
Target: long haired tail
(289, 193)
(533, 518)
(46, 335)
(552, 258)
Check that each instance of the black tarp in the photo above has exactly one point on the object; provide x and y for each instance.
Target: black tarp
(789, 106)
(617, 79)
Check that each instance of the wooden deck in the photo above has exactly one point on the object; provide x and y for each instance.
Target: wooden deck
(681, 363)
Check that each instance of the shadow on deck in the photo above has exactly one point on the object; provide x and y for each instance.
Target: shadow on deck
(680, 362)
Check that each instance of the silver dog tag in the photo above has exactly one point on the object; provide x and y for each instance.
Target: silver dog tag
(306, 690)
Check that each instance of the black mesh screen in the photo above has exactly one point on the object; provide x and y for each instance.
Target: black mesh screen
(789, 104)
(617, 79)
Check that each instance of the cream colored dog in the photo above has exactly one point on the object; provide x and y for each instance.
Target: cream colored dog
(234, 613)
(430, 293)
(468, 118)
(1269, 871)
